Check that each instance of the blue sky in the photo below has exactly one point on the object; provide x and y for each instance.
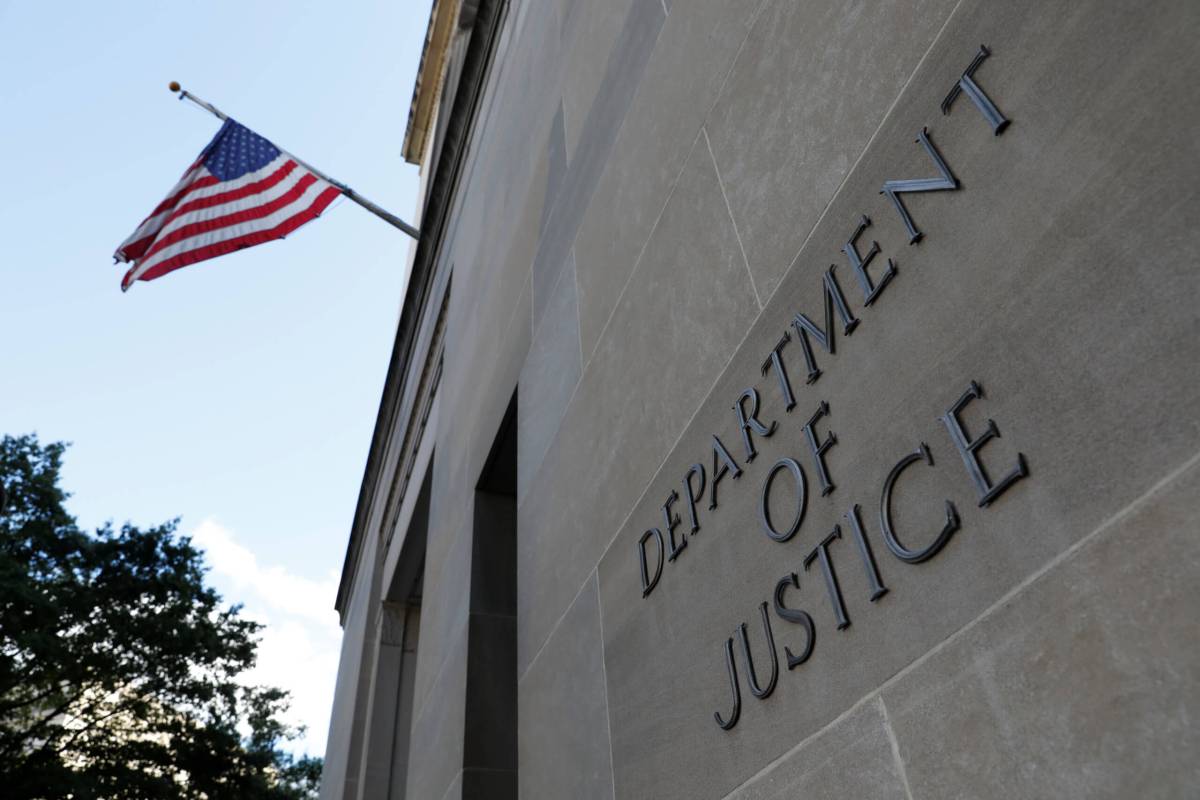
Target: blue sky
(240, 393)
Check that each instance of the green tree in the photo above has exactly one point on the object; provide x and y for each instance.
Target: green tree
(118, 666)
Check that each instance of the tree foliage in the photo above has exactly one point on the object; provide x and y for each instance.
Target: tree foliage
(118, 665)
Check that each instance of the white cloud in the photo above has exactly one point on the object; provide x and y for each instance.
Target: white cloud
(274, 586)
(300, 643)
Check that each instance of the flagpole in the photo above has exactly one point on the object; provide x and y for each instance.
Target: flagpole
(386, 216)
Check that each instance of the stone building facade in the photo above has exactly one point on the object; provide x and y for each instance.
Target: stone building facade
(789, 399)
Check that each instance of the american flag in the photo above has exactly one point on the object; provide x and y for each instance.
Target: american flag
(241, 191)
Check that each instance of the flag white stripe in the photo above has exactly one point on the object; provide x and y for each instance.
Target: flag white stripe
(233, 206)
(233, 231)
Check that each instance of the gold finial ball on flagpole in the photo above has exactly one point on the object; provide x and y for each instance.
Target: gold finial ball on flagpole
(174, 86)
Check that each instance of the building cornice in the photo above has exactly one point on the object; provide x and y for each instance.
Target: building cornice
(428, 86)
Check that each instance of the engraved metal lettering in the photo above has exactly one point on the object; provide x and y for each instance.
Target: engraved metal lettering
(764, 500)
(671, 522)
(805, 327)
(748, 422)
(775, 361)
(968, 448)
(797, 616)
(731, 668)
(885, 513)
(760, 692)
(721, 455)
(967, 85)
(821, 553)
(819, 448)
(878, 590)
(946, 181)
(859, 264)
(648, 582)
(693, 493)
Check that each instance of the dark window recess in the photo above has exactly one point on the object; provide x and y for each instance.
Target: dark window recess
(400, 633)
(490, 749)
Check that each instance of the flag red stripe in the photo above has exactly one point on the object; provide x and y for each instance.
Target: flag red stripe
(290, 224)
(233, 194)
(245, 215)
(134, 250)
(199, 183)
